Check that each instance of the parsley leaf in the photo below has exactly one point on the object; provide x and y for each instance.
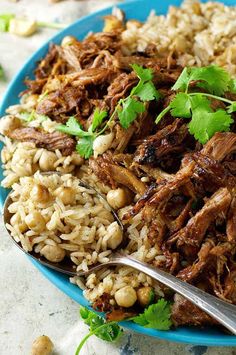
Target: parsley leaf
(85, 146)
(142, 73)
(205, 123)
(213, 79)
(130, 110)
(98, 118)
(156, 316)
(108, 331)
(5, 22)
(181, 106)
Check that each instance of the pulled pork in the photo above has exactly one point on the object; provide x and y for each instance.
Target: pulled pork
(185, 192)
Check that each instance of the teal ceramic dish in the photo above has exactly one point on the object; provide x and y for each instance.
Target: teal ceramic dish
(135, 9)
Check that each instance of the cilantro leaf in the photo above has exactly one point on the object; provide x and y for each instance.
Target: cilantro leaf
(85, 146)
(213, 79)
(130, 110)
(5, 21)
(143, 74)
(231, 108)
(181, 106)
(205, 123)
(108, 331)
(98, 117)
(73, 127)
(147, 92)
(182, 81)
(156, 316)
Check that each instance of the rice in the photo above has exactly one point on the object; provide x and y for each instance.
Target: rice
(196, 33)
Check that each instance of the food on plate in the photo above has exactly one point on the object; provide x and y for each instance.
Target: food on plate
(145, 114)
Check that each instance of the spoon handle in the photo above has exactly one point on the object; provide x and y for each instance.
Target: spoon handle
(223, 312)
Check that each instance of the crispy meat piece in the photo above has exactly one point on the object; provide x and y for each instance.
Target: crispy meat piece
(211, 174)
(115, 175)
(120, 88)
(91, 76)
(231, 222)
(230, 285)
(44, 68)
(154, 198)
(220, 145)
(192, 271)
(186, 313)
(197, 226)
(59, 105)
(168, 140)
(50, 141)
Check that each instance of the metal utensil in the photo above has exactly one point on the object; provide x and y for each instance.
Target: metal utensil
(223, 312)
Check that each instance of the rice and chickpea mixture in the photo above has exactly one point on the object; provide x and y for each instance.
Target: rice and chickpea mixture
(70, 121)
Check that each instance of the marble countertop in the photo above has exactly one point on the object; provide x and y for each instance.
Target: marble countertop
(30, 305)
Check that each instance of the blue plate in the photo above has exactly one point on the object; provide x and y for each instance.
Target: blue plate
(135, 9)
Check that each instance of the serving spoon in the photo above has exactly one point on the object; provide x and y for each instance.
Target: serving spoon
(223, 312)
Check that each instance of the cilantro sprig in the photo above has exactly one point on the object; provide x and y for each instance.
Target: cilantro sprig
(127, 110)
(214, 83)
(108, 331)
(86, 138)
(156, 316)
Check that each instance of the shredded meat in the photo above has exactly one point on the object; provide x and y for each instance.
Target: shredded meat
(184, 191)
(185, 313)
(115, 175)
(193, 233)
(50, 141)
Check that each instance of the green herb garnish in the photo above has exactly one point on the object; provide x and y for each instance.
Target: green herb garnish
(2, 74)
(108, 331)
(156, 316)
(85, 144)
(205, 121)
(127, 110)
(5, 22)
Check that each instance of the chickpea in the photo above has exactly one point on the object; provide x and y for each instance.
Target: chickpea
(47, 160)
(77, 159)
(106, 215)
(35, 221)
(116, 235)
(66, 194)
(39, 193)
(42, 346)
(16, 221)
(119, 198)
(145, 295)
(53, 253)
(126, 296)
(8, 124)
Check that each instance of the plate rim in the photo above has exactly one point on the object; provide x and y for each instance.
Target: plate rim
(220, 339)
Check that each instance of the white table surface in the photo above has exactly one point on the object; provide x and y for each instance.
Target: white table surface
(29, 304)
